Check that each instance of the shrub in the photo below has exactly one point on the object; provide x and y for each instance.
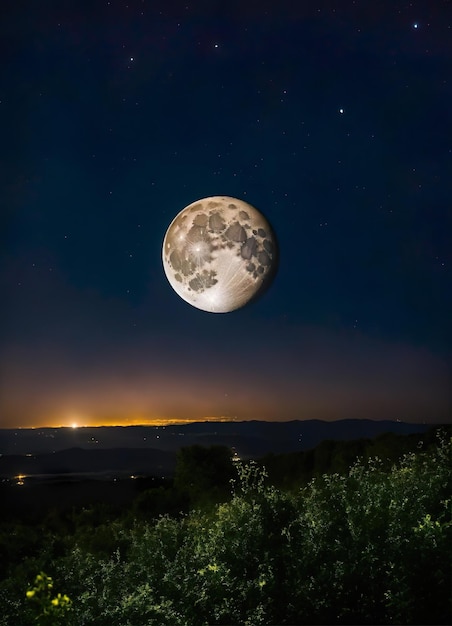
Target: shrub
(372, 546)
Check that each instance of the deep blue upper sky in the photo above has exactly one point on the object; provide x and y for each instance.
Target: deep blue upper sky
(332, 118)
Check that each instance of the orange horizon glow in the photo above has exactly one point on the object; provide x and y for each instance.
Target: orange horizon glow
(127, 422)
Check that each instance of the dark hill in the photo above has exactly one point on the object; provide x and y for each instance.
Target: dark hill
(250, 438)
(78, 460)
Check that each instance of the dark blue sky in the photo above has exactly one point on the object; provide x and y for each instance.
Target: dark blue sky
(332, 118)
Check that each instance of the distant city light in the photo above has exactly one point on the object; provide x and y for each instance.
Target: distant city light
(74, 425)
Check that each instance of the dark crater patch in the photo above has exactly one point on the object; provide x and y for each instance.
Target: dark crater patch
(203, 281)
(261, 232)
(197, 233)
(175, 260)
(180, 264)
(263, 258)
(232, 206)
(268, 245)
(249, 248)
(188, 267)
(216, 222)
(201, 220)
(236, 232)
(244, 215)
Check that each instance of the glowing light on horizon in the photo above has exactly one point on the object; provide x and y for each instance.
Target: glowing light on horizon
(139, 421)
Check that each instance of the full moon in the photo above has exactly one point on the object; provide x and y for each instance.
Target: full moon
(219, 253)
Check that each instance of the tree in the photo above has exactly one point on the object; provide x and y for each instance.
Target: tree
(204, 473)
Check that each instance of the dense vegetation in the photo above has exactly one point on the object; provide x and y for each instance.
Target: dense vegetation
(370, 544)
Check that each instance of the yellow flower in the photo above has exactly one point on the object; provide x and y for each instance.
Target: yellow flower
(55, 602)
(213, 568)
(30, 593)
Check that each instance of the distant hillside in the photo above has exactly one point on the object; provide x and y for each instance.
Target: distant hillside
(79, 461)
(250, 438)
(152, 450)
(333, 456)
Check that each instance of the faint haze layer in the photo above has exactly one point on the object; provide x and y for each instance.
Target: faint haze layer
(281, 375)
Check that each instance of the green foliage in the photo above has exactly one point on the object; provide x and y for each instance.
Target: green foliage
(204, 474)
(371, 546)
(50, 611)
(293, 470)
(153, 502)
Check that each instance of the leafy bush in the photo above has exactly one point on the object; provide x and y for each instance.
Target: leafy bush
(372, 546)
(50, 611)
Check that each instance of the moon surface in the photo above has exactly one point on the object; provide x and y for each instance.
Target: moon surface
(219, 253)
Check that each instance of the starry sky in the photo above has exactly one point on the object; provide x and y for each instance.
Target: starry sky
(332, 118)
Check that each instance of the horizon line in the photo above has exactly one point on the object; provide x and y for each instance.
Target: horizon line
(159, 423)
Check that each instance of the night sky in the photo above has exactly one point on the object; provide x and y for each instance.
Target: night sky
(332, 118)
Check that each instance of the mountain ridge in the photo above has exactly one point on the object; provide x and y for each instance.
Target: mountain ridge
(153, 450)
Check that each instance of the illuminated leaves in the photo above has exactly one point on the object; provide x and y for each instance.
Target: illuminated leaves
(344, 549)
(49, 610)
